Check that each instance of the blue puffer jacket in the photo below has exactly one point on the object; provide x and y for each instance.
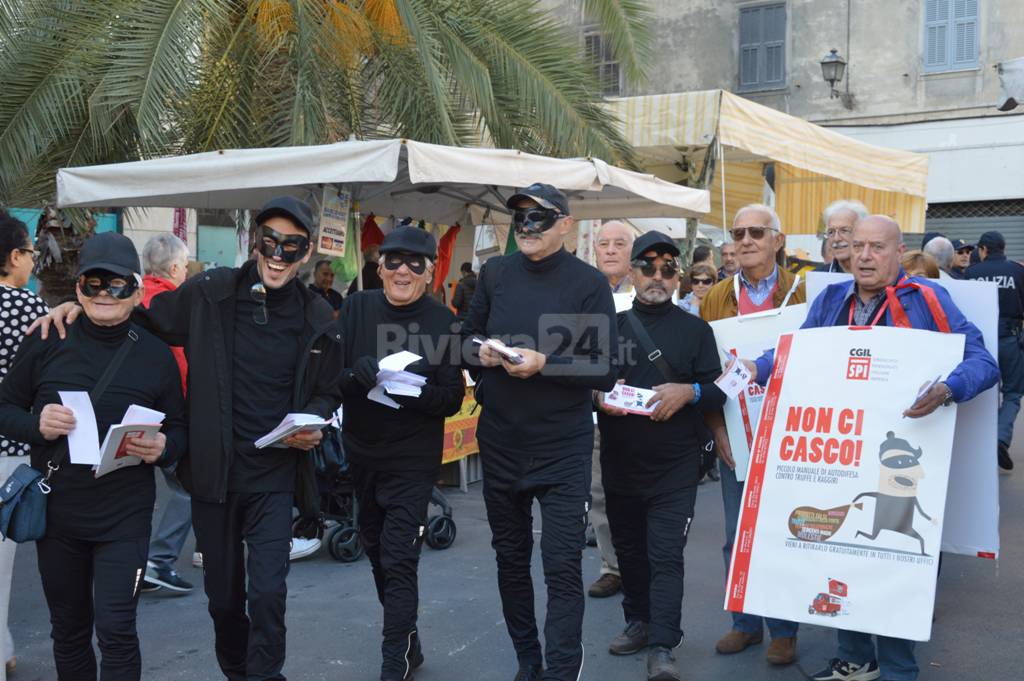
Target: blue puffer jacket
(976, 373)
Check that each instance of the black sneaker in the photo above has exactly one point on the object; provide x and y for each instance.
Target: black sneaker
(529, 672)
(661, 665)
(415, 651)
(1005, 462)
(841, 670)
(633, 639)
(149, 587)
(166, 578)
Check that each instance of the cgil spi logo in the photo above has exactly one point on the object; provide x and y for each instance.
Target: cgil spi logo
(858, 367)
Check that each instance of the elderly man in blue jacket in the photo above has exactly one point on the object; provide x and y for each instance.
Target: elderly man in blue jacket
(877, 247)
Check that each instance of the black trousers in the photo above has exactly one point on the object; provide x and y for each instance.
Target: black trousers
(248, 620)
(392, 518)
(561, 483)
(87, 584)
(649, 533)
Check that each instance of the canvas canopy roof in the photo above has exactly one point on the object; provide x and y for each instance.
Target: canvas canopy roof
(812, 165)
(400, 177)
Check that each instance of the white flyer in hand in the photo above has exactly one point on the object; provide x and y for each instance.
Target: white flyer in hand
(500, 348)
(735, 378)
(84, 439)
(631, 399)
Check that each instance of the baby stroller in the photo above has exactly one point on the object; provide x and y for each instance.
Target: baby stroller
(339, 509)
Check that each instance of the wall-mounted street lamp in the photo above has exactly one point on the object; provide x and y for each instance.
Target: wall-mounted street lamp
(833, 67)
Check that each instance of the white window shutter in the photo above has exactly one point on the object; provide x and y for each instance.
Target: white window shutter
(965, 33)
(936, 34)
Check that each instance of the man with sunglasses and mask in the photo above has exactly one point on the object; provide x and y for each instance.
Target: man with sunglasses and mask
(259, 345)
(760, 285)
(395, 452)
(536, 428)
(651, 463)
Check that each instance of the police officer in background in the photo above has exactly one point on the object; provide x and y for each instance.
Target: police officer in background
(536, 430)
(1009, 277)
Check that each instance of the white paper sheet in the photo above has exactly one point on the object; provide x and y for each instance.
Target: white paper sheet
(631, 398)
(735, 379)
(84, 440)
(377, 395)
(136, 415)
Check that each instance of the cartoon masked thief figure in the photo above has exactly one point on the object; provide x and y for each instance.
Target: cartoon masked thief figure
(896, 497)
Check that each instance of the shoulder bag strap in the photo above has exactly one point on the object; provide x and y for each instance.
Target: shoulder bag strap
(647, 343)
(101, 387)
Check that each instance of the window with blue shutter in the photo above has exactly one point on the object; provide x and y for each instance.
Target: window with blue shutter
(762, 47)
(950, 35)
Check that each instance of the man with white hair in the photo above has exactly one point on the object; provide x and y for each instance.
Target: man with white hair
(759, 285)
(839, 218)
(941, 249)
(165, 262)
(612, 246)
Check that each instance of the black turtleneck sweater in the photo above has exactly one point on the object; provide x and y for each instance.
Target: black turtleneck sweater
(638, 454)
(560, 306)
(263, 374)
(411, 438)
(118, 505)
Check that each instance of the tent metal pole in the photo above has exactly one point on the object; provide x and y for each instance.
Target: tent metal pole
(721, 164)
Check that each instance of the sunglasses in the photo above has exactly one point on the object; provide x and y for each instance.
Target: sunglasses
(534, 220)
(702, 281)
(756, 233)
(258, 292)
(273, 244)
(93, 283)
(648, 268)
(417, 264)
(965, 251)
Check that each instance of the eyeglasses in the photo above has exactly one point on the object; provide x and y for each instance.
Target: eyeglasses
(648, 268)
(31, 251)
(258, 292)
(702, 281)
(273, 244)
(841, 231)
(92, 284)
(417, 264)
(534, 220)
(756, 233)
(965, 251)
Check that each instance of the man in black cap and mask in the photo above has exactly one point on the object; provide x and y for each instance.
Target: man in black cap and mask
(536, 430)
(1009, 277)
(259, 345)
(395, 450)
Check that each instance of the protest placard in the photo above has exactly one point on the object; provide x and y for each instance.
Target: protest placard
(972, 503)
(843, 506)
(333, 233)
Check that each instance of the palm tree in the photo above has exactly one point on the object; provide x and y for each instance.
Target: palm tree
(96, 81)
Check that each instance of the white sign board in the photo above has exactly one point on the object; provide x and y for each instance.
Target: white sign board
(842, 514)
(748, 337)
(332, 236)
(972, 505)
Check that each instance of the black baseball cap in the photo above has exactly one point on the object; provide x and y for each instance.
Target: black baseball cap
(993, 240)
(545, 195)
(289, 207)
(959, 244)
(409, 239)
(656, 241)
(109, 251)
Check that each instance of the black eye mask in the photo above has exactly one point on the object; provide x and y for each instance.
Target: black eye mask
(289, 249)
(417, 264)
(532, 221)
(93, 283)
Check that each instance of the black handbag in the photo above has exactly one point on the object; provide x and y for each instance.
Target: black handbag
(23, 495)
(329, 457)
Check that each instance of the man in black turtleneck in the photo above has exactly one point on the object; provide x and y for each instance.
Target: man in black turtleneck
(259, 345)
(651, 463)
(395, 452)
(536, 430)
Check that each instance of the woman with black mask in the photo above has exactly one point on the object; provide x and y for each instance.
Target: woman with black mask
(93, 555)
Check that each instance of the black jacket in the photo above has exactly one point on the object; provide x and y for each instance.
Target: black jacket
(199, 316)
(1009, 277)
(464, 291)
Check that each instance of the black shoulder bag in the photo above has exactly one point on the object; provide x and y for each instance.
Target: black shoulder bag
(708, 458)
(23, 495)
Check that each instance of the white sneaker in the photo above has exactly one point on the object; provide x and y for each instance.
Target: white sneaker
(302, 548)
(197, 560)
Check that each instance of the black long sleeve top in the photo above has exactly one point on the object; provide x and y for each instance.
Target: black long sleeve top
(637, 453)
(411, 438)
(562, 307)
(118, 505)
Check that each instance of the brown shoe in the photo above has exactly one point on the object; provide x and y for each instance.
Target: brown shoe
(782, 650)
(11, 665)
(737, 641)
(605, 586)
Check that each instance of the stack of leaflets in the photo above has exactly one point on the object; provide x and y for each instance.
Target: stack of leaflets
(291, 424)
(392, 378)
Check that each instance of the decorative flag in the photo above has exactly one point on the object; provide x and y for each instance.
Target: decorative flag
(346, 268)
(371, 234)
(445, 250)
(180, 225)
(510, 244)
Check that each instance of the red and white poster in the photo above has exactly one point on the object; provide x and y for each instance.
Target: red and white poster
(841, 521)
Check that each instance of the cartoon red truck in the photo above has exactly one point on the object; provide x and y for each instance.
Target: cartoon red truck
(832, 603)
